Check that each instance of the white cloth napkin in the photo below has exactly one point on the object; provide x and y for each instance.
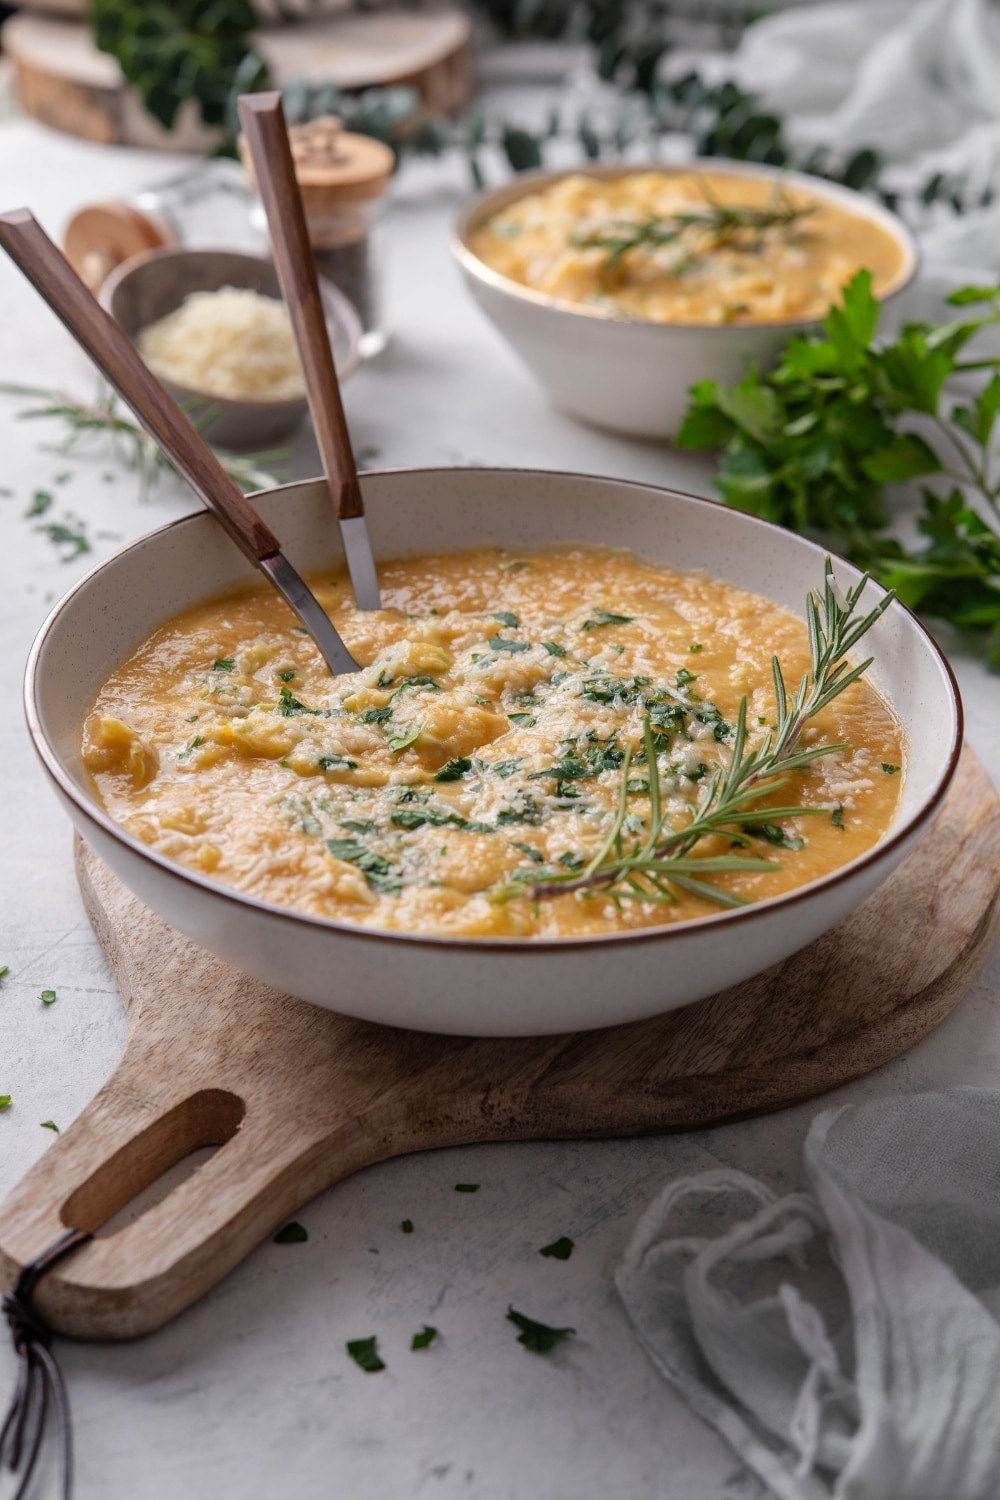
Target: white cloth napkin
(918, 80)
(842, 1340)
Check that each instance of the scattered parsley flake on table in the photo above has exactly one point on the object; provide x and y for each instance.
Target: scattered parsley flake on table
(4, 970)
(48, 997)
(364, 1352)
(466, 1187)
(560, 1249)
(538, 1337)
(407, 1226)
(425, 1337)
(4, 1101)
(50, 1125)
(291, 1234)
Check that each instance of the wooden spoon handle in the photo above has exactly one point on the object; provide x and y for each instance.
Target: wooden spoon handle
(263, 121)
(50, 273)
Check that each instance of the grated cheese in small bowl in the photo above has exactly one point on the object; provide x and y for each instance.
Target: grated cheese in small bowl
(232, 343)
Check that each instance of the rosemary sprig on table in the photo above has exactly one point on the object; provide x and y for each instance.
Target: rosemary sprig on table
(104, 418)
(730, 805)
(706, 230)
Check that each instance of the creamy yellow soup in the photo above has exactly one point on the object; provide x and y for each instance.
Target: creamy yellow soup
(481, 749)
(686, 247)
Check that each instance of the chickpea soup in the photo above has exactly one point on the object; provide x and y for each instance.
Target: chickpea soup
(687, 247)
(536, 745)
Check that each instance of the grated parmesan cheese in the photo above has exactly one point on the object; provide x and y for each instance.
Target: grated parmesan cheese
(233, 343)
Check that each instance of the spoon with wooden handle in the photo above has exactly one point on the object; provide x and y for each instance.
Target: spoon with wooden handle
(266, 134)
(51, 274)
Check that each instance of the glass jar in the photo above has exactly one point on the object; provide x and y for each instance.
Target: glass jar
(342, 178)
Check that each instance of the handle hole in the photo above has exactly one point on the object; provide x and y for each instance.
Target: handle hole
(154, 1163)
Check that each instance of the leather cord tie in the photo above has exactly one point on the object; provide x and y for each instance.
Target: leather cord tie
(40, 1384)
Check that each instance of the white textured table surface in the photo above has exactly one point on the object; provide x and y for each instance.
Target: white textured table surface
(251, 1393)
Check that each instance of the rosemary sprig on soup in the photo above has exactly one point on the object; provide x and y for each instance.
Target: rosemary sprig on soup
(541, 744)
(686, 247)
(697, 232)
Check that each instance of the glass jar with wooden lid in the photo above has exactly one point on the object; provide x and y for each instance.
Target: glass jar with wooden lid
(343, 179)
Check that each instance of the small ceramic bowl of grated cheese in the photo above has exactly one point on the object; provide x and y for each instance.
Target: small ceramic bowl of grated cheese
(212, 326)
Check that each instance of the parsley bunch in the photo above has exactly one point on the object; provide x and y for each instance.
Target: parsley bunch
(813, 445)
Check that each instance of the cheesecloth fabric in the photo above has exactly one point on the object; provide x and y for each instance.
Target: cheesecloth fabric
(844, 1341)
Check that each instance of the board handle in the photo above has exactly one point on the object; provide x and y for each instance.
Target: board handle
(130, 1280)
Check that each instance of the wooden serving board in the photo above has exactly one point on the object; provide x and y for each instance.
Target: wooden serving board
(298, 1098)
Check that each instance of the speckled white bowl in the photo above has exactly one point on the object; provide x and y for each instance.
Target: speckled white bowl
(484, 988)
(633, 376)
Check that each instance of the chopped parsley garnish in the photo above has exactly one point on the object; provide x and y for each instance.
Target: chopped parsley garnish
(364, 1352)
(572, 861)
(4, 1101)
(534, 854)
(574, 767)
(49, 1125)
(376, 869)
(498, 643)
(605, 617)
(407, 1226)
(538, 1337)
(684, 677)
(507, 767)
(424, 1338)
(696, 646)
(287, 676)
(288, 705)
(47, 997)
(193, 744)
(292, 1234)
(413, 682)
(889, 769)
(331, 763)
(466, 1187)
(837, 817)
(554, 648)
(560, 1249)
(61, 535)
(454, 770)
(368, 826)
(773, 833)
(227, 663)
(405, 735)
(420, 817)
(523, 809)
(506, 618)
(376, 715)
(526, 721)
(299, 630)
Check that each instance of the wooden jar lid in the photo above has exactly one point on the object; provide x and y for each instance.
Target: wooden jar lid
(333, 166)
(103, 235)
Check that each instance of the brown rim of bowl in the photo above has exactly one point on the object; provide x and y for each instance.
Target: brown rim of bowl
(468, 217)
(345, 312)
(98, 815)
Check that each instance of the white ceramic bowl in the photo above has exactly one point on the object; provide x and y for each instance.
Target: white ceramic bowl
(486, 988)
(634, 376)
(148, 286)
